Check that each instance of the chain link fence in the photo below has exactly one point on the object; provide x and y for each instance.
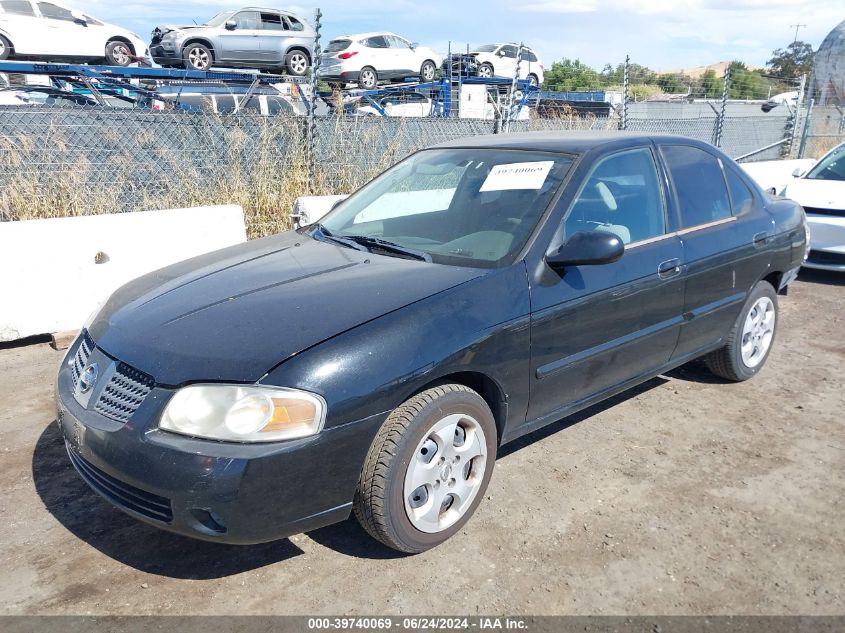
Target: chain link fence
(57, 161)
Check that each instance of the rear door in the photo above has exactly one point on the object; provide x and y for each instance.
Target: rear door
(275, 31)
(379, 55)
(596, 327)
(241, 44)
(724, 235)
(18, 19)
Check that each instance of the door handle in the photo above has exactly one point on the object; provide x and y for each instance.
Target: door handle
(668, 269)
(761, 239)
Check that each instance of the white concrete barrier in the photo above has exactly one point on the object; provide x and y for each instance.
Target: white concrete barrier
(776, 174)
(54, 272)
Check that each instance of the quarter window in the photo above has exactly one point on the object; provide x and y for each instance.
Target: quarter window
(17, 7)
(295, 25)
(699, 185)
(622, 196)
(741, 197)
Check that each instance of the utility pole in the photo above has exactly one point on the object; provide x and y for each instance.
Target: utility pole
(796, 27)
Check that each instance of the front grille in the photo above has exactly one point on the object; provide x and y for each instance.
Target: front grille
(826, 258)
(818, 211)
(120, 493)
(124, 394)
(80, 359)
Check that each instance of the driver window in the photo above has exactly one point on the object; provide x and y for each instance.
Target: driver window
(622, 196)
(247, 20)
(55, 12)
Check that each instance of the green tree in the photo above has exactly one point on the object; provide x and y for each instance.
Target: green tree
(747, 84)
(792, 62)
(711, 85)
(571, 74)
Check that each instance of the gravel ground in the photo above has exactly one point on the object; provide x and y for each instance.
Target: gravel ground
(685, 495)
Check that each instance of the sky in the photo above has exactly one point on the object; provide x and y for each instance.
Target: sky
(660, 34)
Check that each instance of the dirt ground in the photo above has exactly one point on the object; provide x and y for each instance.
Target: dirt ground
(683, 496)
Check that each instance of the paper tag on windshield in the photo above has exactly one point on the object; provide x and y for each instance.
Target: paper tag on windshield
(517, 176)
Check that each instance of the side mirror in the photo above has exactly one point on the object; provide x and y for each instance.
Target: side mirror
(78, 17)
(231, 25)
(797, 172)
(586, 248)
(413, 45)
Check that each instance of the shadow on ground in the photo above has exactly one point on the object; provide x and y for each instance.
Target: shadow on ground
(126, 540)
(826, 277)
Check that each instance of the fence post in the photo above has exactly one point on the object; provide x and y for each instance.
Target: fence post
(794, 121)
(720, 118)
(311, 130)
(806, 131)
(623, 121)
(512, 93)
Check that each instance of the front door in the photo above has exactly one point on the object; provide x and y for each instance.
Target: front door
(593, 328)
(241, 44)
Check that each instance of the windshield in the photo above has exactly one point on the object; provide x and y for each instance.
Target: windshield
(831, 167)
(466, 207)
(485, 48)
(220, 18)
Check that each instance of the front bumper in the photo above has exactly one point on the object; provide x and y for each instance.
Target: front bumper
(827, 242)
(217, 491)
(166, 55)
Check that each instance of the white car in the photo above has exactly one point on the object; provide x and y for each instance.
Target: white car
(785, 98)
(367, 58)
(499, 60)
(411, 104)
(52, 31)
(821, 191)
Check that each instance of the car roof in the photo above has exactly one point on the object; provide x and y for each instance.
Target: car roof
(268, 9)
(360, 36)
(560, 142)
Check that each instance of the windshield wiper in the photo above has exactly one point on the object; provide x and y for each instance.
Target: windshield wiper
(325, 233)
(385, 245)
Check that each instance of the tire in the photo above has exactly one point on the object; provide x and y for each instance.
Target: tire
(5, 48)
(427, 71)
(368, 78)
(751, 338)
(197, 56)
(297, 63)
(119, 53)
(534, 80)
(485, 70)
(410, 448)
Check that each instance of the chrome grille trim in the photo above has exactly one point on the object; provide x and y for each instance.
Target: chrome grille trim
(124, 394)
(80, 359)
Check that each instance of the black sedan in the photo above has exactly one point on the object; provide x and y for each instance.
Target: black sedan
(375, 362)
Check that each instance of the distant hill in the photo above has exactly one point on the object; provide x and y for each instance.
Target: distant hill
(697, 71)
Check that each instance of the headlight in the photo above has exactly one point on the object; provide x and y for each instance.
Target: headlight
(236, 413)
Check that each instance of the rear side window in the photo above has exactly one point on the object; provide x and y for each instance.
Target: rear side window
(699, 185)
(741, 197)
(55, 12)
(621, 196)
(17, 7)
(335, 46)
(272, 22)
(375, 42)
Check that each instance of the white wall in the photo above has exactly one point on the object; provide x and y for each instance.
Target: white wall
(49, 281)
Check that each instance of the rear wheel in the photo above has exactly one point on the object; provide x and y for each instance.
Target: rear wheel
(533, 80)
(750, 339)
(5, 48)
(427, 469)
(197, 57)
(368, 79)
(297, 63)
(118, 53)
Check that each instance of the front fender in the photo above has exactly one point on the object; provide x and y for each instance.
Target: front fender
(481, 326)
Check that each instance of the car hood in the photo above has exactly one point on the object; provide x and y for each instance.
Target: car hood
(820, 194)
(234, 314)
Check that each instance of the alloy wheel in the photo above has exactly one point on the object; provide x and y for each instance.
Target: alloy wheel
(198, 58)
(298, 63)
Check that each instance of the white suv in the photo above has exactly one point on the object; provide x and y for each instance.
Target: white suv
(499, 60)
(52, 31)
(367, 58)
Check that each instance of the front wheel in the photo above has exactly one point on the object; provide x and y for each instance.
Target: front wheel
(427, 71)
(751, 337)
(296, 63)
(485, 70)
(197, 57)
(5, 48)
(427, 469)
(118, 53)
